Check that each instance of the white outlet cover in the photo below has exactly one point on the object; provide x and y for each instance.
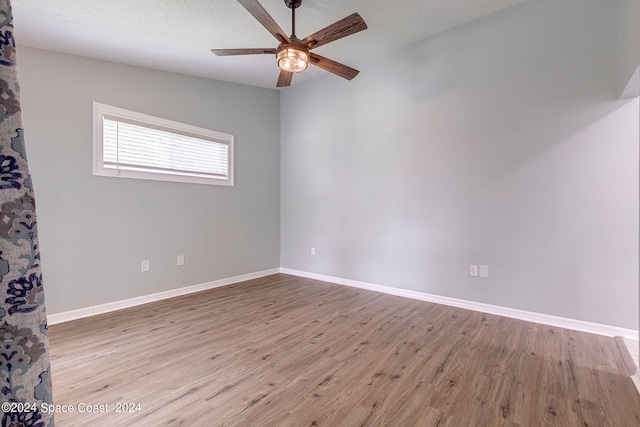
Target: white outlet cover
(484, 271)
(473, 270)
(313, 251)
(145, 265)
(180, 259)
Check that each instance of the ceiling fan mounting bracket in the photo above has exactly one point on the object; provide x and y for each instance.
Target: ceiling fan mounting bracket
(293, 4)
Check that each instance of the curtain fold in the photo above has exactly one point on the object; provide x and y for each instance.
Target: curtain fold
(25, 380)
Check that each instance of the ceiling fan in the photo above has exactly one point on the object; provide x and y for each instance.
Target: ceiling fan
(293, 55)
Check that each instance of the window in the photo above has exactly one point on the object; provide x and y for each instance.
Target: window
(133, 145)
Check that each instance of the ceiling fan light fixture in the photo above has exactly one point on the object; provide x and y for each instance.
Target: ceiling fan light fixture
(292, 58)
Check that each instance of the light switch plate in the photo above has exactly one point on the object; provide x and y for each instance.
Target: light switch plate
(484, 271)
(473, 270)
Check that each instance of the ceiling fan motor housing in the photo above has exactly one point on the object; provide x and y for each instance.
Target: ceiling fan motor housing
(293, 4)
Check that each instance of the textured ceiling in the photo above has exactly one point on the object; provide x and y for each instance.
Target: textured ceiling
(177, 35)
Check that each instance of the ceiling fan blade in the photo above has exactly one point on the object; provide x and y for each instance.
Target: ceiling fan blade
(258, 12)
(345, 27)
(284, 79)
(333, 66)
(227, 52)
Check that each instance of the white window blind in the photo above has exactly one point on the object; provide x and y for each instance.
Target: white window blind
(132, 145)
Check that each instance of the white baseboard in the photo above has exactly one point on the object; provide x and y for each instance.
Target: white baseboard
(636, 380)
(66, 316)
(545, 319)
(563, 322)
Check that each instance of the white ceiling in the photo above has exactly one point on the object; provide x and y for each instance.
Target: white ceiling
(177, 35)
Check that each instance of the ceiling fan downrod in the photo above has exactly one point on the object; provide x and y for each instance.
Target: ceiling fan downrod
(293, 5)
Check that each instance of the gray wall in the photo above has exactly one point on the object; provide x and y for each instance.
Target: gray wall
(501, 142)
(629, 48)
(94, 231)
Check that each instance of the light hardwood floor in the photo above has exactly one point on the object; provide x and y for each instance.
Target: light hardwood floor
(288, 351)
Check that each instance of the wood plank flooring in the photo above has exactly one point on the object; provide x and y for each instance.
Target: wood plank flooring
(288, 351)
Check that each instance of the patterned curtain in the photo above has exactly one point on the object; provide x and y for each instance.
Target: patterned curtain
(25, 381)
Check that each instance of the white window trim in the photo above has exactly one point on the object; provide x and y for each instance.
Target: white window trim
(99, 112)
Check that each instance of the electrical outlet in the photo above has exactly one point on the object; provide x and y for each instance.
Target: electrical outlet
(313, 251)
(484, 271)
(180, 259)
(145, 265)
(473, 270)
